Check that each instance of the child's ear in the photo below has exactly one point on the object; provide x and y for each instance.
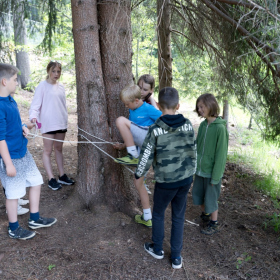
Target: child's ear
(177, 107)
(4, 82)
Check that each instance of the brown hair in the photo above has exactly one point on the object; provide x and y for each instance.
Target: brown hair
(52, 64)
(210, 102)
(130, 93)
(168, 98)
(148, 79)
(7, 71)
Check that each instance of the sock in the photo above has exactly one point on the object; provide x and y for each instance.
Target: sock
(133, 151)
(34, 216)
(147, 214)
(13, 226)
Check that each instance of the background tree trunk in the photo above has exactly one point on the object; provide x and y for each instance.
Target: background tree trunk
(226, 112)
(100, 179)
(20, 38)
(164, 44)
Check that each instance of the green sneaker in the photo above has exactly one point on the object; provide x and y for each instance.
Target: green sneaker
(211, 228)
(140, 220)
(127, 160)
(205, 217)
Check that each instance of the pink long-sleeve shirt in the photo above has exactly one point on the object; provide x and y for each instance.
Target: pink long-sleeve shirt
(49, 107)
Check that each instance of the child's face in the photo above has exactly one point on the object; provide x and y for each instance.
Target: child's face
(54, 74)
(132, 105)
(145, 89)
(203, 110)
(12, 84)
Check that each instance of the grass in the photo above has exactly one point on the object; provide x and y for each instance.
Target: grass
(262, 157)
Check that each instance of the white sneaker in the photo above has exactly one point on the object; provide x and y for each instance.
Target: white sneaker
(23, 201)
(148, 190)
(21, 210)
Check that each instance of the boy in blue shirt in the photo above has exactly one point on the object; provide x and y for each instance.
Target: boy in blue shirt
(17, 167)
(133, 132)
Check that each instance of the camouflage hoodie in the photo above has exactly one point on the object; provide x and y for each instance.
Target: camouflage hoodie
(171, 147)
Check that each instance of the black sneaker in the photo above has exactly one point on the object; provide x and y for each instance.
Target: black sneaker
(41, 222)
(149, 247)
(65, 180)
(53, 184)
(205, 217)
(177, 263)
(211, 228)
(21, 233)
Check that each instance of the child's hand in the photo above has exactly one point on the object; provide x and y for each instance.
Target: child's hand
(11, 170)
(119, 146)
(30, 125)
(25, 131)
(34, 120)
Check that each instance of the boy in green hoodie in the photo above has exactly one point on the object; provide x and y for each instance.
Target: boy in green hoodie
(212, 147)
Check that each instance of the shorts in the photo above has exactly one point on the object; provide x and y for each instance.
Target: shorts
(56, 131)
(27, 175)
(138, 133)
(204, 193)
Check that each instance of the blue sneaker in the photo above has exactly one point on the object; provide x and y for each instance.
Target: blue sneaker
(149, 248)
(177, 263)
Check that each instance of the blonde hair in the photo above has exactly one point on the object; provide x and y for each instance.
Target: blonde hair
(52, 64)
(130, 93)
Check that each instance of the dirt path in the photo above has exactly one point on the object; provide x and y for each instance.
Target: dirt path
(104, 245)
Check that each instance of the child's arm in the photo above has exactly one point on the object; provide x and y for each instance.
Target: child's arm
(4, 152)
(36, 103)
(153, 102)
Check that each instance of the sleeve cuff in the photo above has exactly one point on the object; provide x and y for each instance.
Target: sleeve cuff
(136, 177)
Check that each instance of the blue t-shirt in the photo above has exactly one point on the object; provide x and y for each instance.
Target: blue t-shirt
(11, 128)
(145, 115)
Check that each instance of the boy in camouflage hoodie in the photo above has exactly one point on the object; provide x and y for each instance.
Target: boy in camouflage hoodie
(170, 146)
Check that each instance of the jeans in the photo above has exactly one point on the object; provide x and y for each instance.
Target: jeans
(178, 199)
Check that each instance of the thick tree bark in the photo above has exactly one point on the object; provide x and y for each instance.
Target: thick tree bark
(20, 38)
(164, 44)
(116, 53)
(100, 179)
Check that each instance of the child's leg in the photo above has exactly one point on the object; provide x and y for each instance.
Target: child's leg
(123, 124)
(178, 203)
(144, 197)
(34, 199)
(58, 152)
(48, 146)
(214, 215)
(11, 207)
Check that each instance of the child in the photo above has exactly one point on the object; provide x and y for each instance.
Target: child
(146, 84)
(170, 146)
(17, 168)
(212, 146)
(49, 105)
(134, 129)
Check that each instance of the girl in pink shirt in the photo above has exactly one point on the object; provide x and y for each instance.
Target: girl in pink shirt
(48, 107)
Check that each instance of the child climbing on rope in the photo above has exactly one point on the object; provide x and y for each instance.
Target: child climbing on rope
(17, 168)
(212, 147)
(49, 106)
(134, 129)
(170, 146)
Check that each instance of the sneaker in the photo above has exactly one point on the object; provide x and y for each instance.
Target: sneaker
(140, 220)
(127, 160)
(205, 217)
(53, 184)
(41, 222)
(149, 248)
(148, 190)
(65, 180)
(23, 201)
(21, 233)
(177, 263)
(21, 210)
(211, 228)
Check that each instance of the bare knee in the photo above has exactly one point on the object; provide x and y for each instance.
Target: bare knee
(122, 121)
(47, 151)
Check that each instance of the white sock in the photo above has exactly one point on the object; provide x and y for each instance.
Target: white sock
(147, 214)
(133, 151)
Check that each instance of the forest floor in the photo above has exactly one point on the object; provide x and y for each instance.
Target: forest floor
(98, 244)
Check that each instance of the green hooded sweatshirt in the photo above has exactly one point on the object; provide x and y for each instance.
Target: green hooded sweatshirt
(212, 147)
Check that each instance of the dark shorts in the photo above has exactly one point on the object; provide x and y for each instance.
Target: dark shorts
(56, 131)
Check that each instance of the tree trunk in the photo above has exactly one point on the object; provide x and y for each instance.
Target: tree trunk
(164, 43)
(116, 55)
(20, 38)
(226, 112)
(100, 179)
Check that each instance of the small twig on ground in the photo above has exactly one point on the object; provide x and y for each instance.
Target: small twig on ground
(192, 223)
